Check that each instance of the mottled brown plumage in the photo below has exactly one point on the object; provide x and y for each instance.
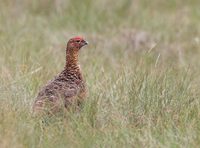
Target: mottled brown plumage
(66, 88)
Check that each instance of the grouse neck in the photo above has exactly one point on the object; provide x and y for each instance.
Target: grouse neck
(71, 60)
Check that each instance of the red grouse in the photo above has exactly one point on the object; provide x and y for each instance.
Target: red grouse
(66, 88)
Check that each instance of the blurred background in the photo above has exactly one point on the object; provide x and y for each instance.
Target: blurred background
(141, 68)
(114, 28)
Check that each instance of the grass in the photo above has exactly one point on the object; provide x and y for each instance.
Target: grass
(141, 68)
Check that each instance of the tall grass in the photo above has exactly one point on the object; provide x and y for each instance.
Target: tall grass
(141, 69)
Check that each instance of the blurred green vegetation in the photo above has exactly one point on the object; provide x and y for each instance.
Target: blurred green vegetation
(141, 68)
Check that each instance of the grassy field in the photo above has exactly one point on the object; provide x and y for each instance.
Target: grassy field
(142, 69)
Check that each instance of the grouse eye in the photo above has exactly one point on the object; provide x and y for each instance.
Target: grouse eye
(78, 41)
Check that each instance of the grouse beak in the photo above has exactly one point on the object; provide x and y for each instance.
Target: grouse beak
(83, 43)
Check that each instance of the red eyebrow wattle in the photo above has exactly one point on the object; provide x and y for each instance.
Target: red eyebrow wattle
(78, 38)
